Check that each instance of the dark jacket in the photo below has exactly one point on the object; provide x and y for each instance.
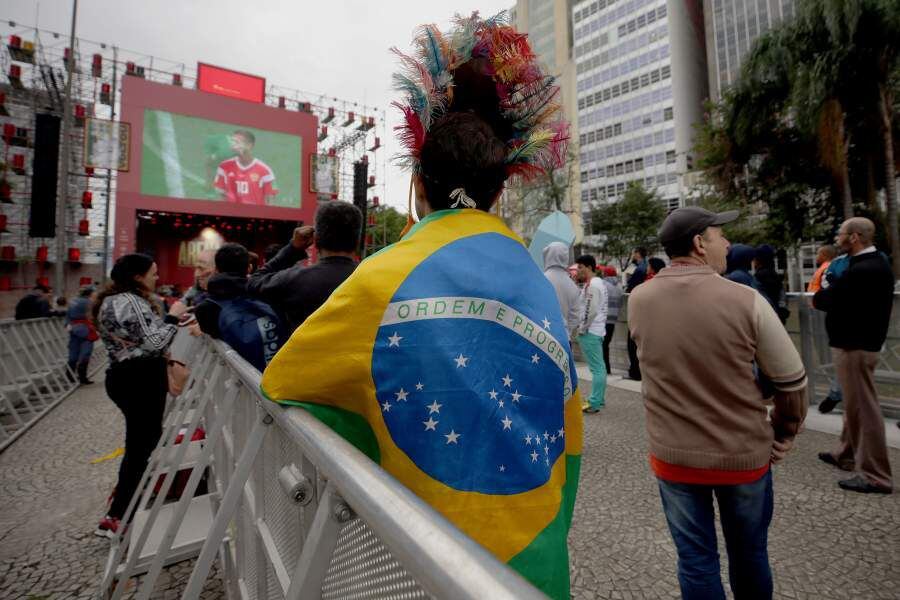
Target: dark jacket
(859, 304)
(296, 292)
(221, 286)
(637, 277)
(740, 259)
(33, 306)
(771, 286)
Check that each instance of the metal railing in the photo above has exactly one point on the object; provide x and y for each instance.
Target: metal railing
(296, 511)
(34, 376)
(806, 326)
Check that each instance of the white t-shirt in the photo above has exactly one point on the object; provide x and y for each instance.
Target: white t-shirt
(595, 303)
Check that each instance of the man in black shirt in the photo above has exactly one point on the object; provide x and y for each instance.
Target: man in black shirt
(35, 304)
(858, 306)
(296, 292)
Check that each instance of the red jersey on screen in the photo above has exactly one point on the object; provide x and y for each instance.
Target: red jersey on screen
(245, 185)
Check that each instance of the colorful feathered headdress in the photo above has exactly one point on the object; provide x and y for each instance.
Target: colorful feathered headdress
(528, 97)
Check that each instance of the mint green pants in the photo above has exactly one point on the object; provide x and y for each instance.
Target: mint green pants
(592, 348)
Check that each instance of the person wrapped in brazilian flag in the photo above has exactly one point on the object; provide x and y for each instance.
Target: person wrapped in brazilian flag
(445, 356)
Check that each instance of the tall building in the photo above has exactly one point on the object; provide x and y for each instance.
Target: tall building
(549, 27)
(731, 28)
(641, 80)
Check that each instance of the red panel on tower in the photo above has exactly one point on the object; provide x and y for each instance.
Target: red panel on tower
(232, 84)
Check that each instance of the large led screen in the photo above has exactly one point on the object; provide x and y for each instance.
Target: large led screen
(199, 159)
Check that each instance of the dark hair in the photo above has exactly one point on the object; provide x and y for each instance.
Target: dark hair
(338, 226)
(681, 246)
(270, 251)
(123, 273)
(642, 251)
(247, 135)
(657, 264)
(233, 259)
(588, 261)
(254, 261)
(462, 151)
(765, 255)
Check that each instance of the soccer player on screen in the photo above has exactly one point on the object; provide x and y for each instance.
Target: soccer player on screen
(245, 179)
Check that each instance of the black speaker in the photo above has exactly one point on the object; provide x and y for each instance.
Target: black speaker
(42, 222)
(360, 197)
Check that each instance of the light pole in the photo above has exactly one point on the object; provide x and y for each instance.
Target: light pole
(62, 195)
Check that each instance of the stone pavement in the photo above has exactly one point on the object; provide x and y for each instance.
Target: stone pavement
(51, 498)
(825, 543)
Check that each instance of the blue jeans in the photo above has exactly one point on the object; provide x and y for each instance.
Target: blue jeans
(746, 511)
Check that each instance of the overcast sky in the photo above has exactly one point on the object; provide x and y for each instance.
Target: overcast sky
(334, 47)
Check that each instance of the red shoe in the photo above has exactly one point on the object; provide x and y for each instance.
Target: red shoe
(108, 527)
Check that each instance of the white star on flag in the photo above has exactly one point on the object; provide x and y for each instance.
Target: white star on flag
(493, 394)
(560, 433)
(386, 407)
(395, 340)
(500, 403)
(535, 358)
(506, 422)
(430, 424)
(507, 381)
(516, 395)
(534, 456)
(420, 386)
(546, 435)
(546, 450)
(527, 440)
(552, 439)
(461, 361)
(547, 461)
(434, 407)
(451, 437)
(546, 323)
(402, 394)
(502, 468)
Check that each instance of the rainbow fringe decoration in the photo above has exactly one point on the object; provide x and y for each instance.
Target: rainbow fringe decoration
(528, 96)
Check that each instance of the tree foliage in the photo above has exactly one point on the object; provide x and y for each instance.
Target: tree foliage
(631, 222)
(805, 136)
(389, 222)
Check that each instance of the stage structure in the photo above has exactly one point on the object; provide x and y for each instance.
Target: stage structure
(105, 169)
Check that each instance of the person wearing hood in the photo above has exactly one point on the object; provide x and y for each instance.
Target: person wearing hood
(556, 260)
(250, 327)
(739, 264)
(771, 282)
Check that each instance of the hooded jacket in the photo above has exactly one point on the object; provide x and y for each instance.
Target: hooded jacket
(556, 262)
(740, 261)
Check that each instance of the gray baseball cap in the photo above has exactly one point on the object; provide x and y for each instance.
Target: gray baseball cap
(691, 220)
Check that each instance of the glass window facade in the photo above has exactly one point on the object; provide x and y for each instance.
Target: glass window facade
(624, 94)
(732, 27)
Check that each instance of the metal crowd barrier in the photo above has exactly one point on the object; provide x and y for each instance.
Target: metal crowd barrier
(34, 376)
(806, 326)
(293, 510)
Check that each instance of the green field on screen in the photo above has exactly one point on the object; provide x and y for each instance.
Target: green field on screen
(181, 155)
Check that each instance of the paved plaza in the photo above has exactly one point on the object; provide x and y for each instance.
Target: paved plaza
(825, 543)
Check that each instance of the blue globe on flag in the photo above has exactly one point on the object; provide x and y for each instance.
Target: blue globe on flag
(472, 372)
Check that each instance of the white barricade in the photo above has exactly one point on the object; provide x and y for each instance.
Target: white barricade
(292, 509)
(34, 377)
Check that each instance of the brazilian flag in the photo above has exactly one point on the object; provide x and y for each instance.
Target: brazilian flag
(445, 359)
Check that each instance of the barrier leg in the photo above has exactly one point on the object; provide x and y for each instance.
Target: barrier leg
(226, 510)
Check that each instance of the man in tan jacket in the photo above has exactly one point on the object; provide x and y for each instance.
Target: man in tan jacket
(700, 340)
